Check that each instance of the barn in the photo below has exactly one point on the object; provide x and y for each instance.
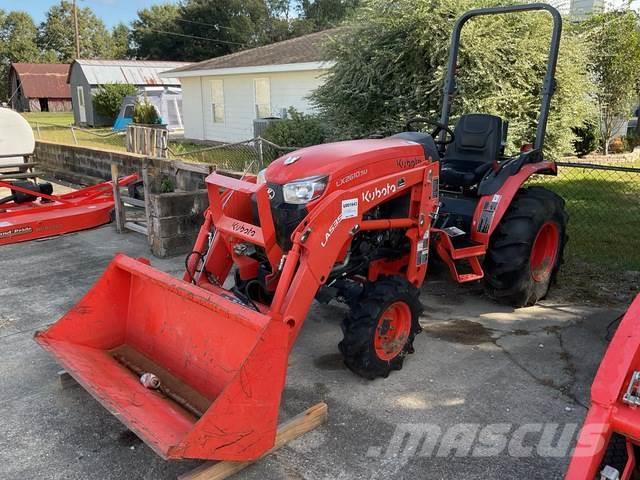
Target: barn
(86, 76)
(39, 87)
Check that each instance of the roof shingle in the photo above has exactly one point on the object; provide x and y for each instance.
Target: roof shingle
(304, 49)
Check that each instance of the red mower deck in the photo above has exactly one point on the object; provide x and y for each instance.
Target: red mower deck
(52, 215)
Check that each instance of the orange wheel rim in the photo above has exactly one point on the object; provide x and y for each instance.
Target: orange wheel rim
(544, 251)
(392, 331)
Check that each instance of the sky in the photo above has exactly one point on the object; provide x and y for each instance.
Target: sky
(110, 11)
(114, 11)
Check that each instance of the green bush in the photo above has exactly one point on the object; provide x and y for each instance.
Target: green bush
(587, 138)
(108, 99)
(299, 130)
(391, 61)
(145, 113)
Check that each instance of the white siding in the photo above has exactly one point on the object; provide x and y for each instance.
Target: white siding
(192, 108)
(288, 89)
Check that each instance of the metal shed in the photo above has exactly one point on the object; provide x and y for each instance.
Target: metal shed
(85, 76)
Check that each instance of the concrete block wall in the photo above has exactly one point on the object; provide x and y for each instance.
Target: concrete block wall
(175, 217)
(175, 221)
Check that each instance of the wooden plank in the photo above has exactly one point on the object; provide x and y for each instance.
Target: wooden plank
(192, 167)
(17, 176)
(288, 431)
(146, 186)
(116, 199)
(66, 380)
(19, 165)
(132, 201)
(134, 227)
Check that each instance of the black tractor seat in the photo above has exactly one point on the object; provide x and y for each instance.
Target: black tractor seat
(478, 144)
(424, 139)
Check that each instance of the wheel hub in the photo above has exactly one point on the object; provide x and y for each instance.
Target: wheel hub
(544, 251)
(392, 331)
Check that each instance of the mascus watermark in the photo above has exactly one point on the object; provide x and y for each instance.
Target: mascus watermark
(550, 440)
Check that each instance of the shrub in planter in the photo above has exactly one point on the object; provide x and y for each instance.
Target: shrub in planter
(145, 113)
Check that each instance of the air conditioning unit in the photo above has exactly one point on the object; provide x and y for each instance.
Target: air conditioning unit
(261, 124)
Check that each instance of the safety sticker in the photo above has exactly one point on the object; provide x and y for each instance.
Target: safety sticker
(453, 231)
(488, 212)
(349, 208)
(435, 187)
(422, 249)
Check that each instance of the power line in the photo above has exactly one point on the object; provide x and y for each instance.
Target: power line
(196, 37)
(214, 25)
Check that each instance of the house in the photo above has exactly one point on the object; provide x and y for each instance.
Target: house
(222, 97)
(86, 76)
(39, 87)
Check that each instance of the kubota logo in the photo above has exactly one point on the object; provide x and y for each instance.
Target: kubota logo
(240, 228)
(371, 195)
(409, 162)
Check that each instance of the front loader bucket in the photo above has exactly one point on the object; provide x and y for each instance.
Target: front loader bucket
(221, 365)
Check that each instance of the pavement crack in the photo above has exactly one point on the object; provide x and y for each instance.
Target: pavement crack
(566, 388)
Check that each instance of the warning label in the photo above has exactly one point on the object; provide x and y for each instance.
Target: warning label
(488, 212)
(349, 208)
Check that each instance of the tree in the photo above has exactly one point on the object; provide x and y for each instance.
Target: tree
(149, 33)
(120, 41)
(17, 44)
(56, 33)
(219, 27)
(614, 63)
(390, 65)
(323, 14)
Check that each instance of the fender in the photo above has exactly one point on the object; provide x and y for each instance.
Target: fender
(608, 412)
(492, 206)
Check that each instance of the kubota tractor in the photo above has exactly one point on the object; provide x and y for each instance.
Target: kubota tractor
(350, 221)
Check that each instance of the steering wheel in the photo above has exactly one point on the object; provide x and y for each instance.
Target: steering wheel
(435, 133)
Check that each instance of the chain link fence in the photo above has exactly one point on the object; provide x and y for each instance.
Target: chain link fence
(246, 156)
(602, 197)
(603, 202)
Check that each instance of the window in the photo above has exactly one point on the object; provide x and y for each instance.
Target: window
(262, 89)
(217, 101)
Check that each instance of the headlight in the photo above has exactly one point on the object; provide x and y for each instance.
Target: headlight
(304, 190)
(261, 178)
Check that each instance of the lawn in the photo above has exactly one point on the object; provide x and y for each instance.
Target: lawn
(604, 214)
(53, 118)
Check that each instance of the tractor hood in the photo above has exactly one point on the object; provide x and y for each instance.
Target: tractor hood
(340, 158)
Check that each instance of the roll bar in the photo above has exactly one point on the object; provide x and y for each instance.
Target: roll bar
(548, 86)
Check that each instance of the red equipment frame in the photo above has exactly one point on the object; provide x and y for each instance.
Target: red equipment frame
(52, 215)
(611, 409)
(223, 363)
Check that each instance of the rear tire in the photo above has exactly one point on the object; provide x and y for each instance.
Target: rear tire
(526, 249)
(380, 328)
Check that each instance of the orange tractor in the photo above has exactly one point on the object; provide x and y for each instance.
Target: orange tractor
(196, 366)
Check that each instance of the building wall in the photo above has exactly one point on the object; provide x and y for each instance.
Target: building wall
(288, 89)
(77, 79)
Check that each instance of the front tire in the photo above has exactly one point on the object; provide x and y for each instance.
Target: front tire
(380, 328)
(526, 249)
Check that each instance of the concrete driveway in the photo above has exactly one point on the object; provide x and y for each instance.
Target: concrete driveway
(490, 392)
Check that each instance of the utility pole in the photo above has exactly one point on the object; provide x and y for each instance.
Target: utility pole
(75, 23)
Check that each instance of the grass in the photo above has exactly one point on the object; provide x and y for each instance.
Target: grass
(54, 118)
(604, 215)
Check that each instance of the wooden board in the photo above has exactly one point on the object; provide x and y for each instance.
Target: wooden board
(287, 431)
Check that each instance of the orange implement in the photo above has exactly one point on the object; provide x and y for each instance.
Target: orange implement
(221, 366)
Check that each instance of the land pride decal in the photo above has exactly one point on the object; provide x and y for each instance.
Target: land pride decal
(15, 231)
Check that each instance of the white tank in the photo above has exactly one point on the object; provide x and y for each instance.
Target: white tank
(16, 137)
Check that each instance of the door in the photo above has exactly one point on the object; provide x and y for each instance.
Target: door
(82, 110)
